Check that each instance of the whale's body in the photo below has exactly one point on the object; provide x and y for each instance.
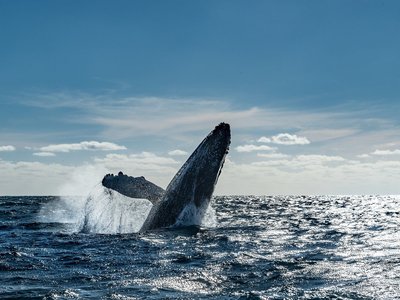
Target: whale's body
(192, 186)
(195, 181)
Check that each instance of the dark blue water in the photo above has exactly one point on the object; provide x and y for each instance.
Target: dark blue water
(262, 248)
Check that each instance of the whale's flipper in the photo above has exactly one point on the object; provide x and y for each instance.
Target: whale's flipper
(134, 187)
(195, 181)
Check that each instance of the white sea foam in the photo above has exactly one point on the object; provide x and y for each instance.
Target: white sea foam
(201, 216)
(210, 217)
(108, 211)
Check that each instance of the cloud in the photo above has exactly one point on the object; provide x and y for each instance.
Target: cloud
(7, 148)
(264, 139)
(285, 139)
(273, 155)
(363, 156)
(85, 145)
(325, 134)
(37, 178)
(302, 161)
(386, 152)
(44, 154)
(173, 120)
(144, 158)
(288, 139)
(342, 132)
(177, 152)
(310, 174)
(319, 158)
(32, 178)
(301, 174)
(251, 148)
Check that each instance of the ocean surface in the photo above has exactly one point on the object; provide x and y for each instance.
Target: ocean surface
(288, 247)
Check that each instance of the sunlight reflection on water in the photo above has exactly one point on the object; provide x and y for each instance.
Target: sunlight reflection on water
(284, 247)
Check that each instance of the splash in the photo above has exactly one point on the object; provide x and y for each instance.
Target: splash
(107, 211)
(210, 217)
(200, 216)
(67, 209)
(96, 209)
(102, 211)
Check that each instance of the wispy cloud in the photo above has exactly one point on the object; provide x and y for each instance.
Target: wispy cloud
(285, 139)
(303, 161)
(7, 148)
(252, 148)
(85, 145)
(273, 155)
(128, 116)
(144, 158)
(44, 154)
(121, 117)
(319, 159)
(386, 152)
(325, 134)
(177, 152)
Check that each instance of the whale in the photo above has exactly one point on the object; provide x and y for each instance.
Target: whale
(195, 181)
(189, 191)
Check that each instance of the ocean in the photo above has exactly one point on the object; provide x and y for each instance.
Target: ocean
(270, 247)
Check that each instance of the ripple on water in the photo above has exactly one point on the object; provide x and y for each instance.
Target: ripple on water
(286, 247)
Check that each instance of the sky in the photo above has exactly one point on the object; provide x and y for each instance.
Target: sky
(310, 89)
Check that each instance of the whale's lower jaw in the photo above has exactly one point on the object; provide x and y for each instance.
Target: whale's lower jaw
(194, 183)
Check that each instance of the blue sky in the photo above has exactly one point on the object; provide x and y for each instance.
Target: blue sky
(310, 88)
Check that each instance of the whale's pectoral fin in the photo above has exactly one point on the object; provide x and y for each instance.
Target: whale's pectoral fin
(134, 187)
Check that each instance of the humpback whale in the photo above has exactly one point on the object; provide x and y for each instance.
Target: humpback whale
(192, 186)
(194, 183)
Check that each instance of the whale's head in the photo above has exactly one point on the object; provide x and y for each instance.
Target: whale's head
(198, 176)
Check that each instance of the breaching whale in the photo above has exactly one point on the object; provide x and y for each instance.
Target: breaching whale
(195, 181)
(191, 187)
